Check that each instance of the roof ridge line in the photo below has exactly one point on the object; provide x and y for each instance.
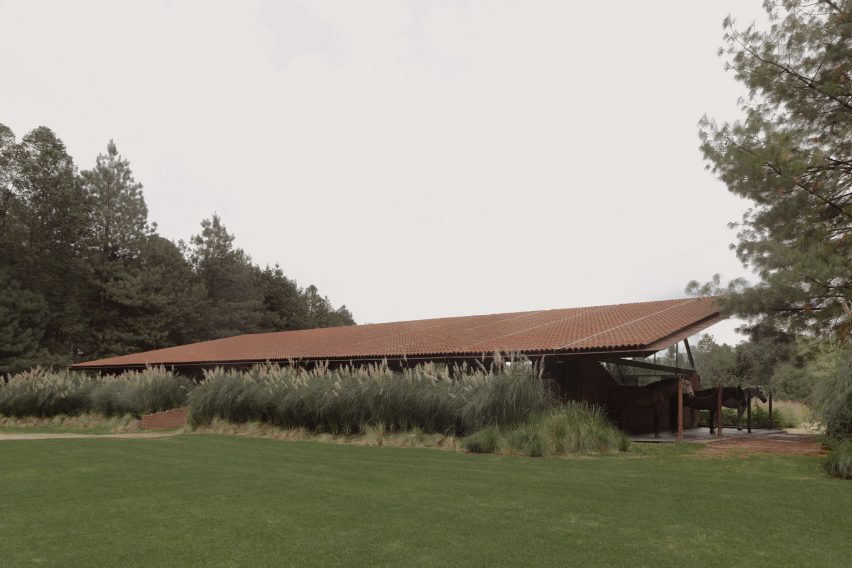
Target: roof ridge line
(687, 301)
(560, 320)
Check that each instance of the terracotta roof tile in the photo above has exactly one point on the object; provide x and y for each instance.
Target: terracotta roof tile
(621, 327)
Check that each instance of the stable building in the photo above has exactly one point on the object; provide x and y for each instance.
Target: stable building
(575, 346)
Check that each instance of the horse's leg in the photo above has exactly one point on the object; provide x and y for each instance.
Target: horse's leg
(712, 420)
(740, 409)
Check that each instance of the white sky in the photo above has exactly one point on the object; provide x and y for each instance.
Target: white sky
(412, 159)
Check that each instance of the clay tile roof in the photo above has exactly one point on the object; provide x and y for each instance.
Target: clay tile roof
(621, 328)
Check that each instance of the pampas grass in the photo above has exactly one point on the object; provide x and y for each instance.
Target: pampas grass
(44, 393)
(352, 400)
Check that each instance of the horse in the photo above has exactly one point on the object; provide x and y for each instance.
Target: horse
(708, 399)
(741, 406)
(654, 396)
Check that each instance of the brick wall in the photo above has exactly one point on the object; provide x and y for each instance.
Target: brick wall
(166, 420)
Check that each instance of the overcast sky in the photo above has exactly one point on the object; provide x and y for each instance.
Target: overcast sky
(412, 159)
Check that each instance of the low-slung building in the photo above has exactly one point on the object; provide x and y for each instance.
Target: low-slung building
(572, 343)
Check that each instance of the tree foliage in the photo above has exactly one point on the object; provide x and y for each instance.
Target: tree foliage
(791, 155)
(84, 274)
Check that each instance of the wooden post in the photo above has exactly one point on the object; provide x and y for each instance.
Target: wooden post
(680, 410)
(719, 412)
(748, 410)
(688, 353)
(770, 410)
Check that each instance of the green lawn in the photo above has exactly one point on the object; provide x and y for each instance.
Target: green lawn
(197, 500)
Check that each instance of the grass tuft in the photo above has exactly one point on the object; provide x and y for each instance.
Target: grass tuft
(82, 423)
(572, 429)
(838, 463)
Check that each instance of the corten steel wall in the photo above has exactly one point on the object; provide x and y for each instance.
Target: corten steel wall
(585, 379)
(166, 420)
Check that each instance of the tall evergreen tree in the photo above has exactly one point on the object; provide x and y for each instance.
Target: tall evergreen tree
(119, 306)
(53, 219)
(7, 196)
(175, 298)
(119, 212)
(22, 312)
(791, 155)
(320, 312)
(234, 298)
(283, 306)
(22, 326)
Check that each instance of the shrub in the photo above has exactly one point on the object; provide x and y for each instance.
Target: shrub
(839, 461)
(785, 414)
(484, 441)
(759, 417)
(574, 428)
(44, 393)
(140, 392)
(347, 400)
(833, 406)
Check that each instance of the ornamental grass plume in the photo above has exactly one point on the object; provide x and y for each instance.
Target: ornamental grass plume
(44, 392)
(347, 400)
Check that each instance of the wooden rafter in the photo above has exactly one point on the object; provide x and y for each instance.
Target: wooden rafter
(689, 353)
(653, 366)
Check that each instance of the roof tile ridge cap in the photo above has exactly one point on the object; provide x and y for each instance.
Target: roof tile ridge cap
(512, 316)
(683, 302)
(439, 319)
(560, 320)
(384, 336)
(437, 322)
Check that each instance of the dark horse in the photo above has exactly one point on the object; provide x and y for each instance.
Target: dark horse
(655, 396)
(741, 406)
(708, 399)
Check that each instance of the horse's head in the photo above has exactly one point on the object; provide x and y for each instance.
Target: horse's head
(686, 388)
(759, 392)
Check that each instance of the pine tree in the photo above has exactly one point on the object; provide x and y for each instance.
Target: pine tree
(175, 297)
(22, 326)
(234, 298)
(118, 303)
(119, 212)
(52, 228)
(7, 195)
(22, 312)
(321, 313)
(283, 306)
(791, 155)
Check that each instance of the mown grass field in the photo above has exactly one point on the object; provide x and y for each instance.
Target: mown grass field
(200, 500)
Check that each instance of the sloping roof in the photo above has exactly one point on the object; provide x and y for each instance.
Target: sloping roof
(622, 328)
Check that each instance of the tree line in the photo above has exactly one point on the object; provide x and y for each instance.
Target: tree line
(84, 274)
